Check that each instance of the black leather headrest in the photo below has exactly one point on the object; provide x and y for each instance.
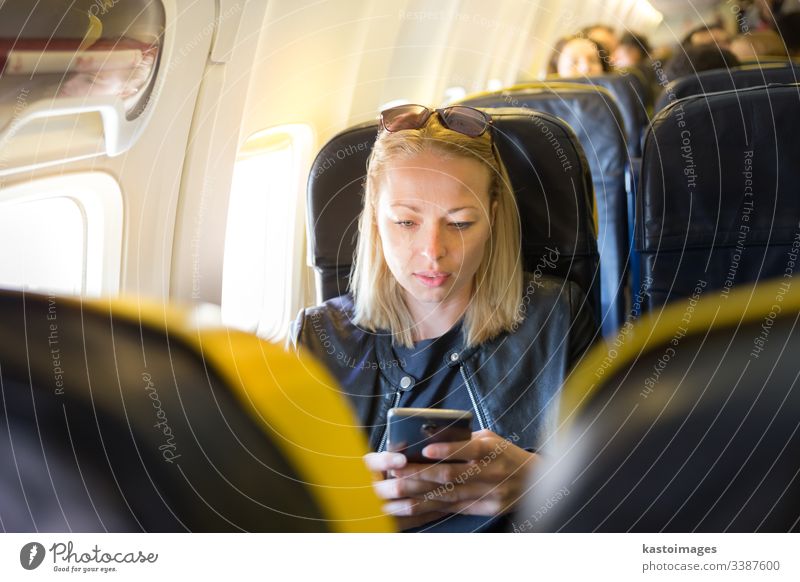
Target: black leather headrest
(631, 95)
(719, 190)
(717, 80)
(547, 169)
(593, 114)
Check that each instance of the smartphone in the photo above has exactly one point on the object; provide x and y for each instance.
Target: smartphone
(412, 429)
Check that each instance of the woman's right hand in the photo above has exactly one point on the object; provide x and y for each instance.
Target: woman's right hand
(404, 497)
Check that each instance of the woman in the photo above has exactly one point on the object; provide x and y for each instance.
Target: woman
(578, 56)
(714, 34)
(633, 50)
(755, 45)
(441, 316)
(603, 35)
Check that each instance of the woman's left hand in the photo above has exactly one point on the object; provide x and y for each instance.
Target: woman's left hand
(487, 478)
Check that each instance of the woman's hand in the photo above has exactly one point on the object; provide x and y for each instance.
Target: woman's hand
(489, 480)
(407, 498)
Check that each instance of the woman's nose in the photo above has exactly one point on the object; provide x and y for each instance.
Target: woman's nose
(433, 243)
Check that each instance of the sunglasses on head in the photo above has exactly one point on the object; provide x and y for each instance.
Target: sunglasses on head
(459, 118)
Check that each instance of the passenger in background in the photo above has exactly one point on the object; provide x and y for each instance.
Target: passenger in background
(762, 14)
(635, 53)
(764, 43)
(712, 34)
(578, 57)
(603, 35)
(633, 50)
(552, 63)
(663, 52)
(437, 318)
(692, 60)
(788, 26)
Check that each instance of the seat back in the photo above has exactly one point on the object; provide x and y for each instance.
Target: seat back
(552, 188)
(643, 79)
(118, 416)
(718, 195)
(592, 113)
(772, 60)
(685, 422)
(631, 94)
(717, 80)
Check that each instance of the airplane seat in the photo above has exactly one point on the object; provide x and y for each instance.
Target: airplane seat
(634, 96)
(687, 424)
(718, 200)
(630, 91)
(592, 113)
(552, 187)
(741, 77)
(642, 79)
(121, 416)
(53, 496)
(771, 59)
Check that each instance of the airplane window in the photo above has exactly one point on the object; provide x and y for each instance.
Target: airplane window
(393, 103)
(453, 94)
(48, 238)
(494, 85)
(66, 233)
(262, 286)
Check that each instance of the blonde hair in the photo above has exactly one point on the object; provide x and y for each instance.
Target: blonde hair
(497, 288)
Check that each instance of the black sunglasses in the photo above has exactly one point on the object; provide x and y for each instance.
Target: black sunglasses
(460, 118)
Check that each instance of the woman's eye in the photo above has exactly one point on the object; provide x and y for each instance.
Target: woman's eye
(405, 223)
(461, 225)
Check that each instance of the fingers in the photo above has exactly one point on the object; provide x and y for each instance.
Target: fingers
(472, 499)
(455, 494)
(477, 447)
(455, 451)
(456, 473)
(385, 461)
(415, 507)
(402, 487)
(486, 507)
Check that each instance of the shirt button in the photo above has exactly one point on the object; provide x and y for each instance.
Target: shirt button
(454, 357)
(406, 382)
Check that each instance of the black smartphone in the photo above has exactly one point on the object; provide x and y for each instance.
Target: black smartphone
(412, 429)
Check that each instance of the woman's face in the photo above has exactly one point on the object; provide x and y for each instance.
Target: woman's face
(579, 58)
(434, 220)
(626, 56)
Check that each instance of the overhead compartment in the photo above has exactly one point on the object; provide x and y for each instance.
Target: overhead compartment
(76, 78)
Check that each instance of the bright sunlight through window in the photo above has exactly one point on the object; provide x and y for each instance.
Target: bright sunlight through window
(62, 234)
(263, 271)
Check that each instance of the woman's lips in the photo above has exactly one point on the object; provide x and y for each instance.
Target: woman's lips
(432, 278)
